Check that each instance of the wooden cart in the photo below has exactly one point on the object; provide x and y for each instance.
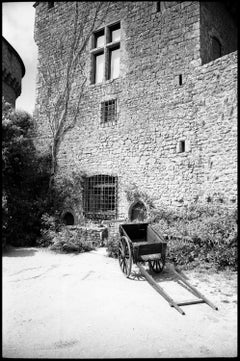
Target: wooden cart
(140, 243)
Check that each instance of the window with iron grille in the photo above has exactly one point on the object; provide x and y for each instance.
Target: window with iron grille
(100, 197)
(109, 111)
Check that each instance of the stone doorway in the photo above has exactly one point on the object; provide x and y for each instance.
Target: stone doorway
(68, 219)
(138, 212)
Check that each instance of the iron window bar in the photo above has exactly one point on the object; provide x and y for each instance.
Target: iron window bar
(100, 197)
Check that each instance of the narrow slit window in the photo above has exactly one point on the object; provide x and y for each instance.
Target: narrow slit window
(180, 79)
(182, 146)
(160, 6)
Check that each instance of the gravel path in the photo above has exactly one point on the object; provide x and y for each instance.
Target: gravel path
(82, 306)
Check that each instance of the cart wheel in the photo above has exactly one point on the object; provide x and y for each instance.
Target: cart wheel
(125, 256)
(156, 265)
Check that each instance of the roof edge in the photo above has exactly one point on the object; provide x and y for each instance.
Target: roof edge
(17, 55)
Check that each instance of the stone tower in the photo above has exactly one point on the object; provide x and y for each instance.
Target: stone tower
(13, 70)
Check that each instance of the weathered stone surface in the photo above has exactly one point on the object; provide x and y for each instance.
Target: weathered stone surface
(155, 112)
(94, 236)
(12, 72)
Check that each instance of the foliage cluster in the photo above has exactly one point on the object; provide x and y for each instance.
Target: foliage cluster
(211, 231)
(58, 237)
(31, 213)
(198, 236)
(67, 241)
(25, 176)
(67, 190)
(112, 246)
(133, 194)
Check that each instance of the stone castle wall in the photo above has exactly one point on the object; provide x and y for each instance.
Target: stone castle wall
(155, 111)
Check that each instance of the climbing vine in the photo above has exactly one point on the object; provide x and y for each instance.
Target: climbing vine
(133, 194)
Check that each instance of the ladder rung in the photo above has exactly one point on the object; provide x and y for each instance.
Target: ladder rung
(189, 302)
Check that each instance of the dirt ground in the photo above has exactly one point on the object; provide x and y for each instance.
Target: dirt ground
(82, 306)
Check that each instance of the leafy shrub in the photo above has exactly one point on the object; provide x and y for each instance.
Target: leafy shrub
(213, 231)
(67, 241)
(112, 246)
(64, 193)
(50, 225)
(66, 190)
(26, 195)
(25, 177)
(61, 238)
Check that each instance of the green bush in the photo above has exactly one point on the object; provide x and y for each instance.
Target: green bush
(67, 241)
(112, 246)
(50, 225)
(25, 176)
(213, 231)
(30, 209)
(199, 235)
(58, 237)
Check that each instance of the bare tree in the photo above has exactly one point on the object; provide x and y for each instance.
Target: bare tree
(63, 71)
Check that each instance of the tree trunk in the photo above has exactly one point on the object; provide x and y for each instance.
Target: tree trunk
(53, 164)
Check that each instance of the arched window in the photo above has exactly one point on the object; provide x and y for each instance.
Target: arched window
(68, 219)
(216, 48)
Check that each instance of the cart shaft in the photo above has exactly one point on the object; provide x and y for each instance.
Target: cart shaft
(159, 289)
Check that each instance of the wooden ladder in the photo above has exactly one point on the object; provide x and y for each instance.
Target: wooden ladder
(172, 303)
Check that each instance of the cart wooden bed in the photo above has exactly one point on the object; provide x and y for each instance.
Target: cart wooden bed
(140, 243)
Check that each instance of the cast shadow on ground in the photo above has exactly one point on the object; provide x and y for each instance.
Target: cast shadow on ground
(18, 252)
(166, 275)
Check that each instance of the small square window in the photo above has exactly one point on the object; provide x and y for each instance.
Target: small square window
(109, 111)
(183, 146)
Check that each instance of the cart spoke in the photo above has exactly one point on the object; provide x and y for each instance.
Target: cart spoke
(124, 256)
(156, 265)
